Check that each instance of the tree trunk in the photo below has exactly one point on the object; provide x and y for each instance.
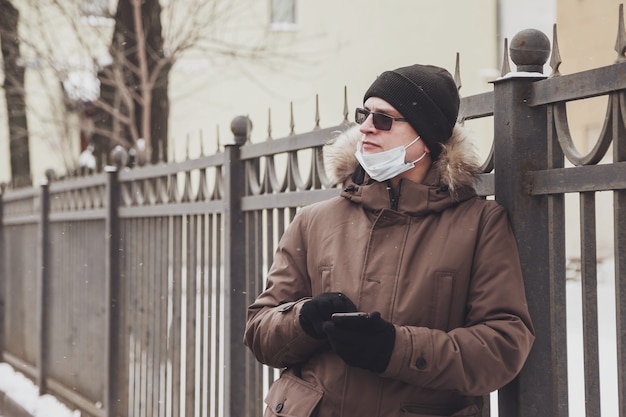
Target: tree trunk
(14, 94)
(160, 107)
(154, 124)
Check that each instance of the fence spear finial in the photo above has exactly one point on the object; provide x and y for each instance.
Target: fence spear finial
(269, 123)
(217, 136)
(317, 112)
(620, 43)
(457, 72)
(555, 59)
(506, 67)
(201, 142)
(292, 123)
(161, 155)
(345, 104)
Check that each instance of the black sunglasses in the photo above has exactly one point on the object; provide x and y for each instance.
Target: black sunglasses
(381, 121)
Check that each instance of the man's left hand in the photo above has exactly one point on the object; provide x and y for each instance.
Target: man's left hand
(365, 345)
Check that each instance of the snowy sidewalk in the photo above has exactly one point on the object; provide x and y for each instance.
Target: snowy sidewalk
(19, 397)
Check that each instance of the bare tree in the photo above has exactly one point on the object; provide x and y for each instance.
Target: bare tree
(14, 95)
(143, 41)
(137, 79)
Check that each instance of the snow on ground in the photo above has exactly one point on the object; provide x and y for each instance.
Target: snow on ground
(25, 393)
(607, 344)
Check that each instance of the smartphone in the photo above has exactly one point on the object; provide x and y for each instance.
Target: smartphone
(357, 317)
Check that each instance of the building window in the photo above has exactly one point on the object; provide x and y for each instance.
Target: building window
(99, 8)
(96, 12)
(283, 15)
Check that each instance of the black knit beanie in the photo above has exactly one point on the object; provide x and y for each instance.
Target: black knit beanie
(426, 96)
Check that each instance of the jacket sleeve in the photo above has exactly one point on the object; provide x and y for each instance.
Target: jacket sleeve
(490, 350)
(273, 331)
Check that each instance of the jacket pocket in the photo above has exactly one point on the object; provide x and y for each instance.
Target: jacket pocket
(419, 411)
(442, 300)
(326, 278)
(290, 396)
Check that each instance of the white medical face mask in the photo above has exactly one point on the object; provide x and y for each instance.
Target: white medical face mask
(382, 166)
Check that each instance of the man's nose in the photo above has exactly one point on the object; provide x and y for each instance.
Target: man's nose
(368, 124)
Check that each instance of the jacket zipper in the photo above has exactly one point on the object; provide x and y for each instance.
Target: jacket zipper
(393, 198)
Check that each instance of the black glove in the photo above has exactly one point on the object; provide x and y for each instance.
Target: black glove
(365, 345)
(319, 309)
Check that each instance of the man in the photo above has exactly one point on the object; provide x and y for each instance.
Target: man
(409, 242)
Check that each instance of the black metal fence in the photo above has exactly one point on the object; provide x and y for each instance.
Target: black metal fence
(125, 293)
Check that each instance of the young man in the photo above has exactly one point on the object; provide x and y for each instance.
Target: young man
(409, 242)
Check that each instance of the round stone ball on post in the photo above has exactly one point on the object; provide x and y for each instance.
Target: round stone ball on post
(241, 126)
(119, 156)
(50, 174)
(530, 49)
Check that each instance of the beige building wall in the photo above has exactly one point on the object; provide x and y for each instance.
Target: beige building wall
(334, 45)
(587, 31)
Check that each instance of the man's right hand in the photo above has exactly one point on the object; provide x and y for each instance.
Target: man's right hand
(320, 308)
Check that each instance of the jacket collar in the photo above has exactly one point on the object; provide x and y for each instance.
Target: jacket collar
(414, 199)
(450, 179)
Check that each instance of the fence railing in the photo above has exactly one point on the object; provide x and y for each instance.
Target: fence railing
(125, 293)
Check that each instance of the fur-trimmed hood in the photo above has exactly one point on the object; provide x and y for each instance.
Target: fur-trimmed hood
(456, 168)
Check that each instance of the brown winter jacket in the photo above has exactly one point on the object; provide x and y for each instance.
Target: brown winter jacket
(442, 267)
